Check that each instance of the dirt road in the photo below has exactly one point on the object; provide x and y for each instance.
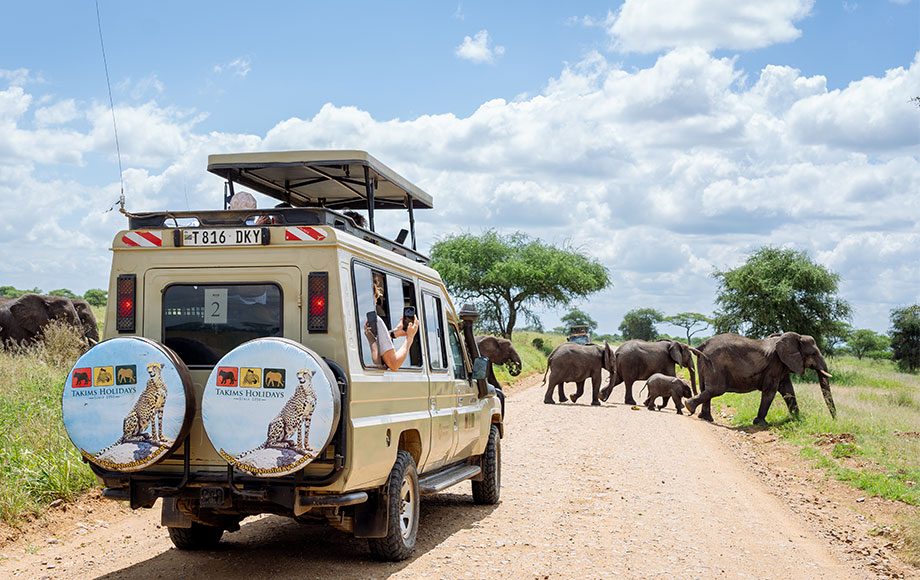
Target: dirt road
(588, 492)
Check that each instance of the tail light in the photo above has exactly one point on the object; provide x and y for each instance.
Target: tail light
(318, 302)
(125, 305)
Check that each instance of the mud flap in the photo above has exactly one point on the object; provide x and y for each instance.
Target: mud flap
(371, 516)
(171, 517)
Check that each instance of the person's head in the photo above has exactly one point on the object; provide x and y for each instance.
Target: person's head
(378, 287)
(242, 200)
(357, 218)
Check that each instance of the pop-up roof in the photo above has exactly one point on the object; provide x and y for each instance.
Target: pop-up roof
(332, 179)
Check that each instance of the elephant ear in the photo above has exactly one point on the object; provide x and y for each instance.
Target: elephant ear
(676, 352)
(787, 347)
(30, 312)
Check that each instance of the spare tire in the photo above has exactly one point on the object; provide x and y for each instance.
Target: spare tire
(118, 420)
(270, 406)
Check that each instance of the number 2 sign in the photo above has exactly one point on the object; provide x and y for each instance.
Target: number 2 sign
(215, 306)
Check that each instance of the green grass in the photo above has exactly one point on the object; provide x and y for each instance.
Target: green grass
(877, 407)
(38, 463)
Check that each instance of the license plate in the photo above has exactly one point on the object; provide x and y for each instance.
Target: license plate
(223, 237)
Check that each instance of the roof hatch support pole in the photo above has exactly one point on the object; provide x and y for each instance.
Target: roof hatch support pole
(369, 186)
(228, 193)
(411, 221)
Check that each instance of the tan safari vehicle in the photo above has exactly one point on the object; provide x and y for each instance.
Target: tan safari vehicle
(249, 355)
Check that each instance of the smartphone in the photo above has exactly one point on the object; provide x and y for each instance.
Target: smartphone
(408, 316)
(372, 321)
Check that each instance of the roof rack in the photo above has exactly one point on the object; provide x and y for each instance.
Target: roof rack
(177, 220)
(340, 179)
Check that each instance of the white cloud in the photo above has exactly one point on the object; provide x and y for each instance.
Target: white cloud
(654, 25)
(477, 49)
(239, 67)
(662, 173)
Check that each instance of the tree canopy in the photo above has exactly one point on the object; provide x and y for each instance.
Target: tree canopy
(507, 275)
(688, 321)
(640, 324)
(576, 317)
(905, 337)
(96, 296)
(864, 342)
(779, 290)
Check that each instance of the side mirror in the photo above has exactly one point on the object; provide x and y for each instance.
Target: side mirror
(480, 368)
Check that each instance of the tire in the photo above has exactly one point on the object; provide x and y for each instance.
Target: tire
(197, 537)
(402, 512)
(488, 490)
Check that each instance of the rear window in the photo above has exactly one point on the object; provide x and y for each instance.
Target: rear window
(203, 322)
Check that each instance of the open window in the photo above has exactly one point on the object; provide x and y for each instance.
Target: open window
(380, 301)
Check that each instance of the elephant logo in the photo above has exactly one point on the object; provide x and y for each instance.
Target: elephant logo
(274, 379)
(126, 375)
(82, 378)
(226, 376)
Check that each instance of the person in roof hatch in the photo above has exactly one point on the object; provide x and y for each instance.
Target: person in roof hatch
(380, 339)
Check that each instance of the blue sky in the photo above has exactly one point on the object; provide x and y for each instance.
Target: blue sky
(666, 138)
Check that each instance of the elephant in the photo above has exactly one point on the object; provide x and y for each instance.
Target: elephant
(574, 363)
(666, 387)
(22, 319)
(87, 319)
(499, 351)
(739, 364)
(637, 360)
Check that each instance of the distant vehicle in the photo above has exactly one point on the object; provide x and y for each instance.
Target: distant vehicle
(579, 334)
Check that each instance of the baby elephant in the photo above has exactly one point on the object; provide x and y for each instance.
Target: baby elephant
(663, 386)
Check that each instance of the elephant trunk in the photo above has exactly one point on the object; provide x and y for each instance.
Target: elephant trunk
(692, 377)
(826, 391)
(514, 366)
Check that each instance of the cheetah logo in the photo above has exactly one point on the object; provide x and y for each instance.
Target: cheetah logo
(104, 376)
(148, 410)
(251, 378)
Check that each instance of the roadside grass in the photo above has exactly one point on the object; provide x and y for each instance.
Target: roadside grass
(873, 445)
(38, 463)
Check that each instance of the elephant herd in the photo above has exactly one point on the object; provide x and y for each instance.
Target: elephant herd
(725, 363)
(23, 319)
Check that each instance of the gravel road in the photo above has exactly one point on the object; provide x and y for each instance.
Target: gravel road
(588, 492)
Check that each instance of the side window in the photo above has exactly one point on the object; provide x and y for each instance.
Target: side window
(434, 332)
(380, 300)
(456, 352)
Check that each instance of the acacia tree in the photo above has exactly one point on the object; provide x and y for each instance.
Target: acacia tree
(865, 341)
(576, 317)
(905, 337)
(688, 321)
(779, 290)
(640, 324)
(507, 275)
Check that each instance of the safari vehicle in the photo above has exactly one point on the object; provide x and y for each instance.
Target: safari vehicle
(239, 374)
(579, 334)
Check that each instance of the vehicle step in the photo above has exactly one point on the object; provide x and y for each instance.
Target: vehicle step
(444, 479)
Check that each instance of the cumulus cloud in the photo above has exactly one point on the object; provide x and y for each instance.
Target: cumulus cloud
(477, 48)
(654, 25)
(662, 173)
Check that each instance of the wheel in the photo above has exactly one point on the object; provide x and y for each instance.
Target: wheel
(197, 537)
(402, 512)
(489, 489)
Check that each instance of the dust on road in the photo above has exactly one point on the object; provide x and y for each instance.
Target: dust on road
(588, 492)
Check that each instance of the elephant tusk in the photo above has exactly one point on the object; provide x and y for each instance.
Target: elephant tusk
(826, 374)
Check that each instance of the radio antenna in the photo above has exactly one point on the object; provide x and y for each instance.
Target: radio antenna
(121, 178)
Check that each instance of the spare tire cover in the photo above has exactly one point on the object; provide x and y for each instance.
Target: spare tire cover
(127, 403)
(270, 406)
